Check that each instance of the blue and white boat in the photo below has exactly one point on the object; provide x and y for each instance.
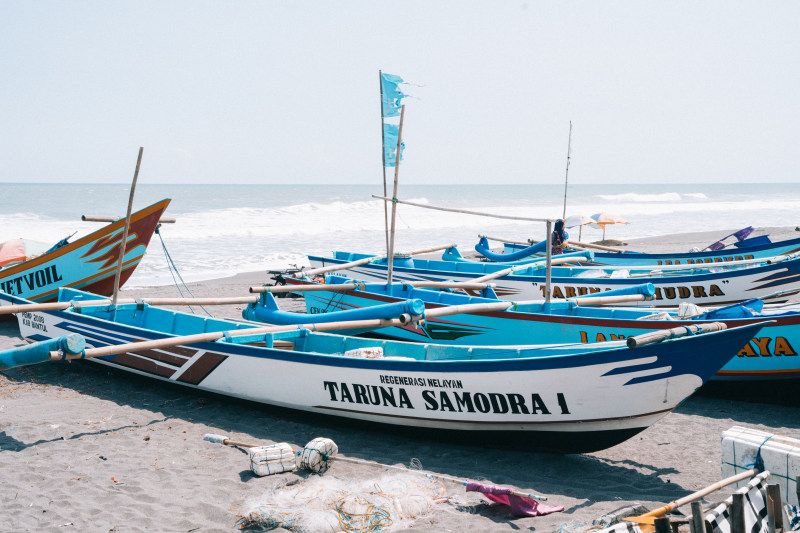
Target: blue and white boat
(567, 398)
(755, 248)
(772, 280)
(773, 355)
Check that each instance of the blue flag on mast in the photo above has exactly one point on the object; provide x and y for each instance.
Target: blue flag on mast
(392, 95)
(390, 133)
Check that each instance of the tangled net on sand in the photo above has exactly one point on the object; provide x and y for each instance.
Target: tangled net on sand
(331, 505)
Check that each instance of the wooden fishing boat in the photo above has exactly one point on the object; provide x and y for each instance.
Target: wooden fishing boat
(773, 355)
(89, 263)
(723, 284)
(756, 248)
(567, 398)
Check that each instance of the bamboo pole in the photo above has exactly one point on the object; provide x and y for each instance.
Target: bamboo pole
(464, 211)
(397, 155)
(58, 306)
(383, 159)
(337, 287)
(649, 517)
(167, 342)
(106, 218)
(594, 246)
(123, 243)
(507, 240)
(537, 263)
(364, 261)
(673, 333)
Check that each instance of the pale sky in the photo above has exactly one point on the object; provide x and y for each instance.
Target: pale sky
(287, 91)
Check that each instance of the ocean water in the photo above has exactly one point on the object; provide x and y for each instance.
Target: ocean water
(222, 230)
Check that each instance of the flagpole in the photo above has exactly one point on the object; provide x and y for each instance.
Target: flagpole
(566, 176)
(397, 155)
(383, 158)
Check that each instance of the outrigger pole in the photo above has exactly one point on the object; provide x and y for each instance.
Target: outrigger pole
(397, 155)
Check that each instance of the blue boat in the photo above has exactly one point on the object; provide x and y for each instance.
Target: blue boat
(754, 248)
(715, 284)
(773, 355)
(567, 398)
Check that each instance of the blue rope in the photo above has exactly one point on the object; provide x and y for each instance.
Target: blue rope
(173, 270)
(759, 461)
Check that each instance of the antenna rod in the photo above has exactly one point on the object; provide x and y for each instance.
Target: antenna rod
(566, 176)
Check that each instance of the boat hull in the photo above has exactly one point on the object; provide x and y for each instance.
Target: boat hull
(565, 398)
(713, 288)
(89, 263)
(686, 258)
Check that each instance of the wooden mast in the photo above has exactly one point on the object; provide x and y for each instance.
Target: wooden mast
(383, 158)
(394, 193)
(125, 230)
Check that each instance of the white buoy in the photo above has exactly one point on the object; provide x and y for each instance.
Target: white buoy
(317, 454)
(272, 459)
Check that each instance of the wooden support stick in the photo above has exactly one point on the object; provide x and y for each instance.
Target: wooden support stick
(775, 505)
(105, 218)
(332, 268)
(662, 525)
(737, 513)
(697, 523)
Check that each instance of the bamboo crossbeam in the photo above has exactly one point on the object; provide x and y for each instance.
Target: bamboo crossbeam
(58, 306)
(337, 287)
(364, 261)
(537, 263)
(649, 517)
(463, 211)
(570, 242)
(216, 335)
(106, 218)
(498, 239)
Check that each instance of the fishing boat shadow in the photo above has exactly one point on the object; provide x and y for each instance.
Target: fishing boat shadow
(636, 470)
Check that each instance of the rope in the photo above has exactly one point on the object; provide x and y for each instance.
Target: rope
(758, 463)
(173, 270)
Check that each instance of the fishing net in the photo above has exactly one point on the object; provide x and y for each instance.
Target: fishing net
(331, 505)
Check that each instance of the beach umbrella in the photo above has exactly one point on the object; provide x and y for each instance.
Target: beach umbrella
(19, 250)
(601, 220)
(578, 220)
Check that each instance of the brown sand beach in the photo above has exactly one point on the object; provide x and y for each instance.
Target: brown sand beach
(83, 448)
